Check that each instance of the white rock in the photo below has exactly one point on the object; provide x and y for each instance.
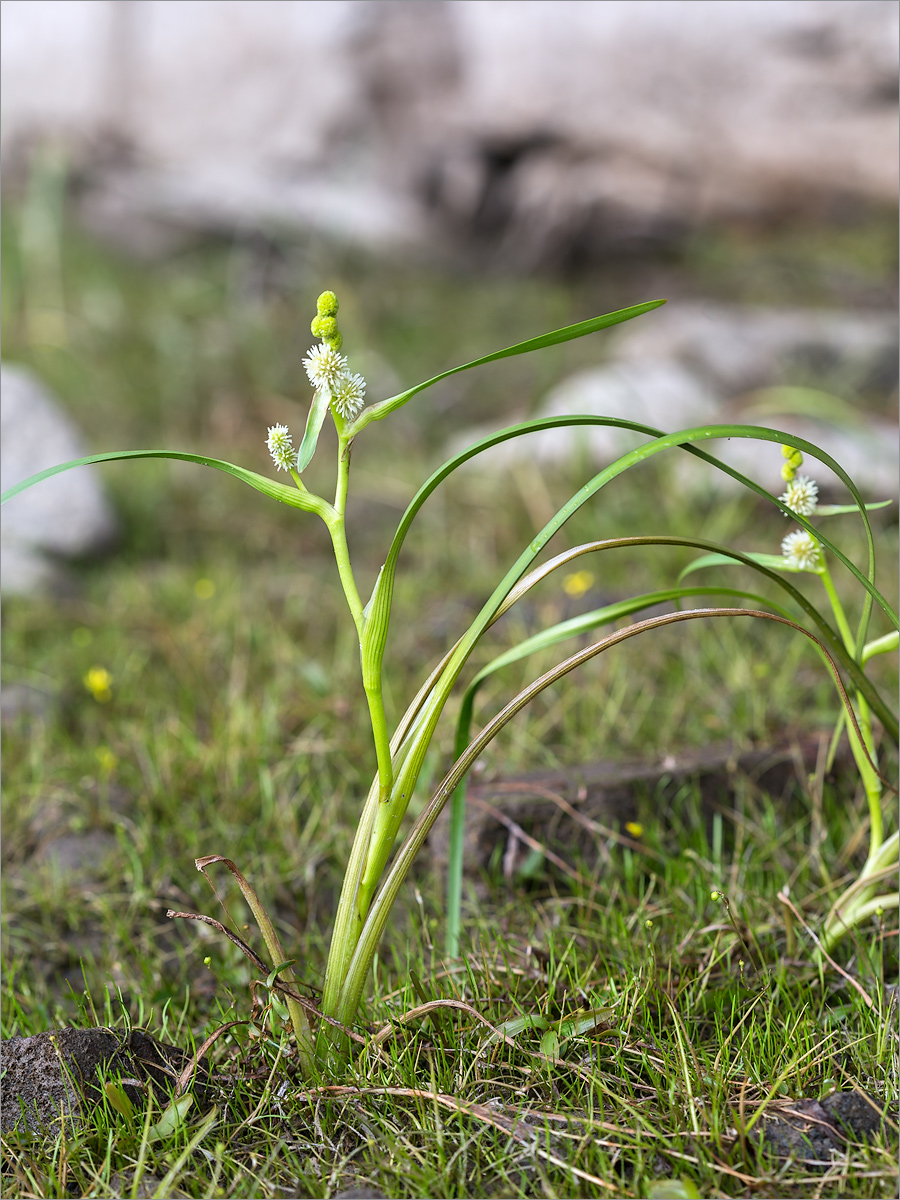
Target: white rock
(687, 366)
(656, 392)
(736, 349)
(540, 131)
(67, 516)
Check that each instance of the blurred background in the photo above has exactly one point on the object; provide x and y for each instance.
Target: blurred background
(180, 181)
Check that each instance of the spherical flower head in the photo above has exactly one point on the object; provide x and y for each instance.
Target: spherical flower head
(325, 366)
(279, 443)
(327, 305)
(801, 496)
(324, 328)
(348, 396)
(794, 461)
(802, 551)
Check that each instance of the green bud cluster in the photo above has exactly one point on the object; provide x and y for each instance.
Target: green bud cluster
(324, 324)
(793, 463)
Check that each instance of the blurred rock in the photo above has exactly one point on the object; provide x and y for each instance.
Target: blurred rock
(19, 701)
(67, 516)
(686, 365)
(534, 134)
(739, 349)
(79, 856)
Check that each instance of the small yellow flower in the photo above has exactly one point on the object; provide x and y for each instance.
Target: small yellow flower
(635, 828)
(204, 589)
(578, 583)
(106, 759)
(98, 682)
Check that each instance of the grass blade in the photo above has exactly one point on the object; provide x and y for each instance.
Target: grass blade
(378, 411)
(269, 487)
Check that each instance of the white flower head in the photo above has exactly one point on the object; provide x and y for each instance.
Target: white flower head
(801, 496)
(802, 551)
(279, 443)
(325, 366)
(348, 395)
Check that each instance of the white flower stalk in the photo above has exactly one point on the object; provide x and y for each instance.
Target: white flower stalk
(348, 395)
(801, 496)
(325, 366)
(280, 447)
(802, 551)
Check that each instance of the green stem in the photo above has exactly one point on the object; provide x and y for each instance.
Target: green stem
(337, 529)
(348, 922)
(349, 917)
(457, 833)
(838, 609)
(871, 782)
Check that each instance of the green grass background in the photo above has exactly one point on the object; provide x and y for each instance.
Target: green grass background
(236, 725)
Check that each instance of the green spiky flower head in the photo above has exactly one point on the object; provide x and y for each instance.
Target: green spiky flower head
(324, 324)
(327, 305)
(323, 328)
(793, 463)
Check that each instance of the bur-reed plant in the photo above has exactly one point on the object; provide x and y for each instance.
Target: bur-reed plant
(377, 865)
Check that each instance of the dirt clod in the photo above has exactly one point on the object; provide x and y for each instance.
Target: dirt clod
(52, 1076)
(810, 1130)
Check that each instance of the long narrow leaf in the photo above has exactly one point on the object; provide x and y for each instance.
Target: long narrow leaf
(376, 831)
(377, 411)
(684, 439)
(724, 554)
(834, 510)
(539, 641)
(776, 561)
(596, 617)
(403, 860)
(269, 487)
(721, 554)
(387, 819)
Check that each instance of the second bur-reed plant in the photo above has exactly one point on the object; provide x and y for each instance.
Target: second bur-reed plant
(380, 858)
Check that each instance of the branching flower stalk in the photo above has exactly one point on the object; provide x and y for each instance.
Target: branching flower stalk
(377, 866)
